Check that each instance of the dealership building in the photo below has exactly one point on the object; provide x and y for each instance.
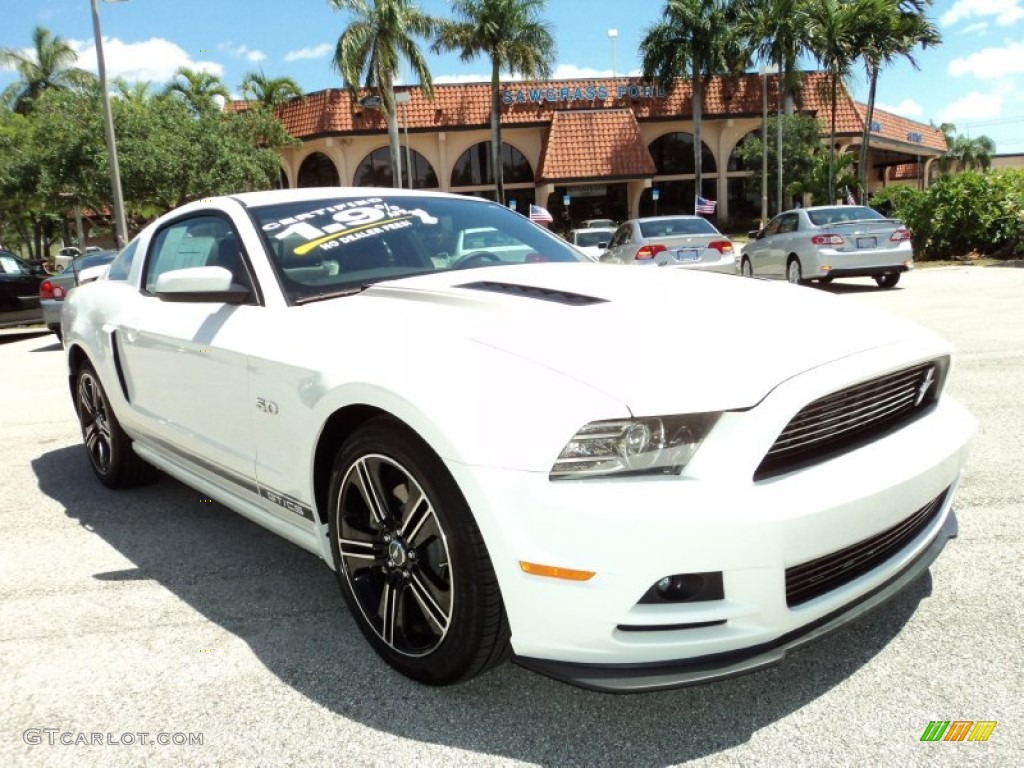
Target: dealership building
(612, 148)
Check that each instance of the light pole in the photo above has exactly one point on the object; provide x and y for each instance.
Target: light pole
(402, 97)
(765, 71)
(121, 227)
(612, 34)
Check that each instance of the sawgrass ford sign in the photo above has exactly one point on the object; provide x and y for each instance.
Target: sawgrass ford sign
(561, 93)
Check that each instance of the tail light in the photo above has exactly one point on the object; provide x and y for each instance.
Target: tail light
(48, 290)
(649, 252)
(722, 246)
(827, 240)
(900, 235)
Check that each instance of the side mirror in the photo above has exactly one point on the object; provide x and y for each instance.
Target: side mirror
(755, 234)
(602, 245)
(200, 284)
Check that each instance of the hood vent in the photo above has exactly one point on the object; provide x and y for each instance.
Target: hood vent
(534, 292)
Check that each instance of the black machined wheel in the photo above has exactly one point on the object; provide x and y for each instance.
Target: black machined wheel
(110, 450)
(411, 562)
(395, 555)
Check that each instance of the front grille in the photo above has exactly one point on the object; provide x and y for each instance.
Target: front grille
(809, 580)
(852, 417)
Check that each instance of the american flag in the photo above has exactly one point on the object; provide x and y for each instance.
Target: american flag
(703, 205)
(540, 215)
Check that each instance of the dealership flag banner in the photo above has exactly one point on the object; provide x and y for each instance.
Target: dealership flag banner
(540, 215)
(703, 205)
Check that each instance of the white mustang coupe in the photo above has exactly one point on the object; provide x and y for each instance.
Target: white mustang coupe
(603, 474)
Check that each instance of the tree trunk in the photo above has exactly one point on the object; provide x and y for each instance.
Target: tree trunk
(866, 138)
(497, 167)
(396, 150)
(832, 144)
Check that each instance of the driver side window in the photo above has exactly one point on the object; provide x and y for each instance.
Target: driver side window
(198, 241)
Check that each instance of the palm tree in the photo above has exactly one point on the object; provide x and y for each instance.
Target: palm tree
(776, 31)
(892, 31)
(269, 91)
(199, 90)
(512, 34)
(695, 40)
(834, 34)
(49, 65)
(373, 46)
(132, 93)
(963, 152)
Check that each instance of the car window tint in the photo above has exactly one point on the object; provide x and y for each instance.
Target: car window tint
(198, 241)
(589, 239)
(122, 263)
(675, 227)
(322, 246)
(12, 266)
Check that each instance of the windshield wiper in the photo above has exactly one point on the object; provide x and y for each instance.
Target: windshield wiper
(332, 294)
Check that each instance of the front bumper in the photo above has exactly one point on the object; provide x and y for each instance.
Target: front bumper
(633, 678)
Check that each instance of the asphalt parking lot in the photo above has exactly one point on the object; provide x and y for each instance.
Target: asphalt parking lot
(152, 615)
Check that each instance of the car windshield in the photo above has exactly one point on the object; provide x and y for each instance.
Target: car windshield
(324, 247)
(823, 217)
(588, 238)
(671, 227)
(91, 260)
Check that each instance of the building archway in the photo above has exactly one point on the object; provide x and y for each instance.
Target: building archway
(675, 179)
(375, 170)
(318, 170)
(472, 173)
(743, 182)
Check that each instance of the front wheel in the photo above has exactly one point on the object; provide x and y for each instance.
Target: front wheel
(794, 273)
(411, 562)
(113, 461)
(887, 281)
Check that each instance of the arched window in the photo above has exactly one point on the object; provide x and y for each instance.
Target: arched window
(473, 168)
(673, 154)
(282, 180)
(318, 170)
(375, 170)
(736, 163)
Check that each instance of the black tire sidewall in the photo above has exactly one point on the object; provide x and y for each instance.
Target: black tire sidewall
(457, 655)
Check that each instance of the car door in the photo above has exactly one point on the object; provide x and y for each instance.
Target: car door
(185, 363)
(759, 251)
(618, 246)
(785, 242)
(19, 292)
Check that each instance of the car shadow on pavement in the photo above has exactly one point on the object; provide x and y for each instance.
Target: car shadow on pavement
(286, 606)
(843, 288)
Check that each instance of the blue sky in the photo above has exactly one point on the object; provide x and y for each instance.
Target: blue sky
(975, 79)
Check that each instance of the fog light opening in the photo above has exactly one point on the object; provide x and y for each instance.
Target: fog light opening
(686, 588)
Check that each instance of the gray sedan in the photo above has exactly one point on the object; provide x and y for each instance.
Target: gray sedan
(829, 241)
(680, 241)
(53, 289)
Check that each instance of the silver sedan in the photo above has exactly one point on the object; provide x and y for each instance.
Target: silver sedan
(53, 289)
(829, 241)
(680, 241)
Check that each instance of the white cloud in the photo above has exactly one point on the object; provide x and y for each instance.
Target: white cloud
(974, 106)
(1006, 12)
(972, 30)
(906, 108)
(466, 78)
(155, 60)
(313, 52)
(243, 52)
(990, 63)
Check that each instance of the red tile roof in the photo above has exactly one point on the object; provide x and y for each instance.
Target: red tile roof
(902, 130)
(607, 143)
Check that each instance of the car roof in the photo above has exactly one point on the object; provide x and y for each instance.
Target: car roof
(272, 196)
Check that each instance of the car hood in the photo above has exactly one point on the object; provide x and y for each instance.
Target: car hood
(652, 339)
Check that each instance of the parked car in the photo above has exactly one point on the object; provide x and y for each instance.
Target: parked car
(598, 224)
(65, 255)
(592, 242)
(54, 289)
(19, 291)
(829, 241)
(664, 502)
(678, 241)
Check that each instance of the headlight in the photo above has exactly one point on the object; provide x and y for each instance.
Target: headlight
(647, 446)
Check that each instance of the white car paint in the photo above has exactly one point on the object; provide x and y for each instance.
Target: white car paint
(497, 382)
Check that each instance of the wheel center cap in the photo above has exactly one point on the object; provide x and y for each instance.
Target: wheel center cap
(396, 553)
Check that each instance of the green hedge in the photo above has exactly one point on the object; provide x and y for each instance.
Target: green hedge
(971, 213)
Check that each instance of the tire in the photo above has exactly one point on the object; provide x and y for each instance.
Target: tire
(794, 273)
(746, 268)
(888, 280)
(416, 576)
(111, 456)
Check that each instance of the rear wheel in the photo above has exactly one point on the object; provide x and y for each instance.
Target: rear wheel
(887, 281)
(746, 268)
(110, 450)
(794, 273)
(411, 561)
